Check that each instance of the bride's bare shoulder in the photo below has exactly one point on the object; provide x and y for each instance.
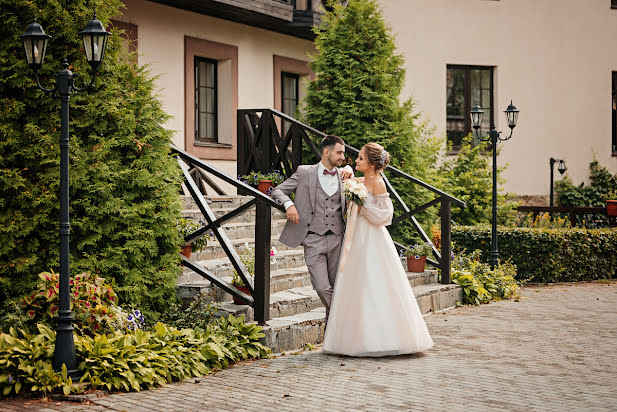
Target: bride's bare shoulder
(380, 187)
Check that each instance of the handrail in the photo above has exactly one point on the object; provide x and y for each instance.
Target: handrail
(226, 178)
(352, 149)
(262, 148)
(258, 295)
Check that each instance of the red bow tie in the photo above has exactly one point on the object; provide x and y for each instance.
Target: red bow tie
(331, 173)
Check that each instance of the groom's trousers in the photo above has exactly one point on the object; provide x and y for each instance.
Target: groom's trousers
(321, 254)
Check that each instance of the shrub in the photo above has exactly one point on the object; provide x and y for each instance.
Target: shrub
(127, 361)
(480, 283)
(547, 255)
(602, 186)
(199, 313)
(542, 221)
(92, 300)
(468, 176)
(124, 184)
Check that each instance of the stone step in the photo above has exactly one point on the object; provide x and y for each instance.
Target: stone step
(293, 332)
(284, 303)
(214, 250)
(285, 259)
(247, 216)
(242, 230)
(189, 286)
(216, 202)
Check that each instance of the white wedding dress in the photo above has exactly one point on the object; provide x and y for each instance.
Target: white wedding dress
(374, 311)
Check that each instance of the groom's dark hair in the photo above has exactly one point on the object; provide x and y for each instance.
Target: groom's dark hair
(330, 140)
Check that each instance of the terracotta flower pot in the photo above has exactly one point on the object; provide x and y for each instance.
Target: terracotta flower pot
(186, 250)
(264, 185)
(611, 207)
(240, 301)
(416, 263)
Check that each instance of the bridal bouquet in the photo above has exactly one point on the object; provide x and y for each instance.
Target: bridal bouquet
(355, 190)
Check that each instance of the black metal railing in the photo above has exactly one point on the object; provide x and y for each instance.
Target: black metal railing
(259, 290)
(262, 148)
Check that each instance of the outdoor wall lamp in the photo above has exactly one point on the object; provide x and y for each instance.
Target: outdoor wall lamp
(494, 136)
(35, 41)
(561, 168)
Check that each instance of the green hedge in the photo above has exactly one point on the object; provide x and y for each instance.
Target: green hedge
(547, 255)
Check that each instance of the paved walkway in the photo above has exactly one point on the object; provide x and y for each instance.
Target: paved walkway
(555, 350)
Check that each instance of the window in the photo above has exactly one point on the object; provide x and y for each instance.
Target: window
(613, 4)
(205, 100)
(614, 115)
(466, 86)
(289, 94)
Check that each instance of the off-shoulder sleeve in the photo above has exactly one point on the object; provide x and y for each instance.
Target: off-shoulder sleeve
(380, 211)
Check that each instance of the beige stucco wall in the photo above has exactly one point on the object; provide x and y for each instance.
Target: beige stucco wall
(161, 46)
(553, 58)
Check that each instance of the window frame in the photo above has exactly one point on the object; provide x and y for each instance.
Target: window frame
(614, 113)
(297, 93)
(198, 60)
(468, 103)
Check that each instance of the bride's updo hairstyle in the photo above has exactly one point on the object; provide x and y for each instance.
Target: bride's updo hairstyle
(376, 155)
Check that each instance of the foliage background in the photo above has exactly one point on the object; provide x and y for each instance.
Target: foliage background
(359, 77)
(602, 187)
(124, 185)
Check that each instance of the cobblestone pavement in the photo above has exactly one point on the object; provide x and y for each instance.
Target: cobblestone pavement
(552, 351)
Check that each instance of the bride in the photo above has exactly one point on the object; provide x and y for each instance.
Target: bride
(374, 311)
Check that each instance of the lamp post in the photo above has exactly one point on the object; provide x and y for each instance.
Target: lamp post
(35, 41)
(561, 167)
(493, 136)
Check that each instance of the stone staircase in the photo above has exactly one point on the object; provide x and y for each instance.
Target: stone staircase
(297, 315)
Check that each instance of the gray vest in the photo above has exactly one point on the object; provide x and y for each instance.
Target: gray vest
(327, 214)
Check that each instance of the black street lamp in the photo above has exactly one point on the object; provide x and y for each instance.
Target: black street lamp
(35, 41)
(561, 167)
(493, 136)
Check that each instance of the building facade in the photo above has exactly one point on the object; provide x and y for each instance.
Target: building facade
(552, 58)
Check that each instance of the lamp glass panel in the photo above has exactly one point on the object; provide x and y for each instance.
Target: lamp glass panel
(88, 46)
(512, 118)
(40, 49)
(28, 43)
(476, 118)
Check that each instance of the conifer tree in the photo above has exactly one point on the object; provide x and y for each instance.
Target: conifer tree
(124, 203)
(356, 95)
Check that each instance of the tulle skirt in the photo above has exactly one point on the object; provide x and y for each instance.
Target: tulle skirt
(374, 311)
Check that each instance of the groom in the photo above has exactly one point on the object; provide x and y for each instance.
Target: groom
(316, 218)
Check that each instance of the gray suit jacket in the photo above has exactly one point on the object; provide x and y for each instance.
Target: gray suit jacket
(304, 184)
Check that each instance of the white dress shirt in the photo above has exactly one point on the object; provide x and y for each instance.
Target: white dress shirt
(328, 183)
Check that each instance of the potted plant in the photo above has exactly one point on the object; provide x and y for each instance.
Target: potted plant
(416, 256)
(247, 256)
(611, 205)
(264, 182)
(186, 227)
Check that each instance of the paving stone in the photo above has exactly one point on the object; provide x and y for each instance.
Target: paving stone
(552, 351)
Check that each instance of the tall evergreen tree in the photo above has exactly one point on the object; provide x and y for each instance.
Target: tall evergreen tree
(124, 185)
(359, 78)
